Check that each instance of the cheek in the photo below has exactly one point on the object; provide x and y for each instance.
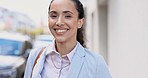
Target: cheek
(74, 24)
(51, 23)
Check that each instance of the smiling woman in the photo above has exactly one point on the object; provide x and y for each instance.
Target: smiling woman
(66, 56)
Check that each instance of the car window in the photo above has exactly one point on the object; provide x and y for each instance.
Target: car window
(10, 47)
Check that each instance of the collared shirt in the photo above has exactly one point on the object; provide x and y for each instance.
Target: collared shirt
(55, 65)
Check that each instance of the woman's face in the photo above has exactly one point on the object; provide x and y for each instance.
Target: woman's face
(63, 20)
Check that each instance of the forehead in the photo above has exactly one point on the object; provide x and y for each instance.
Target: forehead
(70, 2)
(65, 5)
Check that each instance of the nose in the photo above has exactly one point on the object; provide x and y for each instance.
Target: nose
(59, 21)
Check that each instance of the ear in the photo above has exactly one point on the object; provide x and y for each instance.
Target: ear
(80, 22)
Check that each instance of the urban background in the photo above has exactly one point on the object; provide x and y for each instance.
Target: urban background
(116, 29)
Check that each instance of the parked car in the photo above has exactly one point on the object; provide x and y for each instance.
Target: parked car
(14, 50)
(42, 40)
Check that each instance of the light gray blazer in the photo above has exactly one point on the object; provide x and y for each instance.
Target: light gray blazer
(85, 64)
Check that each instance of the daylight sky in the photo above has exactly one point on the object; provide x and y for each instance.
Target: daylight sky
(36, 9)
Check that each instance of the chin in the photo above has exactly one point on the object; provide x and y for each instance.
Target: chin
(60, 40)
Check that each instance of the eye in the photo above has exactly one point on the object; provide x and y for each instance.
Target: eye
(53, 16)
(67, 16)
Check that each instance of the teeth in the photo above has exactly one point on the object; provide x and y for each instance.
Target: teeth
(60, 31)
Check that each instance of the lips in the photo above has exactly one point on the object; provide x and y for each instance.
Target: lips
(60, 31)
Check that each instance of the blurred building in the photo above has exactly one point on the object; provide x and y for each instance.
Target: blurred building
(118, 30)
(13, 21)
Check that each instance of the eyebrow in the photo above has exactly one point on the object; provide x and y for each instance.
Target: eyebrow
(63, 12)
(52, 12)
(68, 12)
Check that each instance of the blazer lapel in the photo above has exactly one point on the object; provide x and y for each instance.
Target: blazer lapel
(77, 62)
(39, 65)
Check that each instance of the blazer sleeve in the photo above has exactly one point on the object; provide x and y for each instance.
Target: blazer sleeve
(102, 68)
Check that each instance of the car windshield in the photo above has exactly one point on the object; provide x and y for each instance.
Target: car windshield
(10, 47)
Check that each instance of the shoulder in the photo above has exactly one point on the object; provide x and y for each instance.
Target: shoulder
(93, 55)
(89, 56)
(30, 61)
(96, 61)
(34, 53)
(94, 58)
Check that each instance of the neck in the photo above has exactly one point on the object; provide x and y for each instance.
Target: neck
(65, 48)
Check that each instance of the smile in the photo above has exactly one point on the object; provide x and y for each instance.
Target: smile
(61, 31)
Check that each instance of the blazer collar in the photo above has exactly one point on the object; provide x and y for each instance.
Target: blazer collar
(77, 62)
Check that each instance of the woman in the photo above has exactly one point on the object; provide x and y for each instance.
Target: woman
(66, 57)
